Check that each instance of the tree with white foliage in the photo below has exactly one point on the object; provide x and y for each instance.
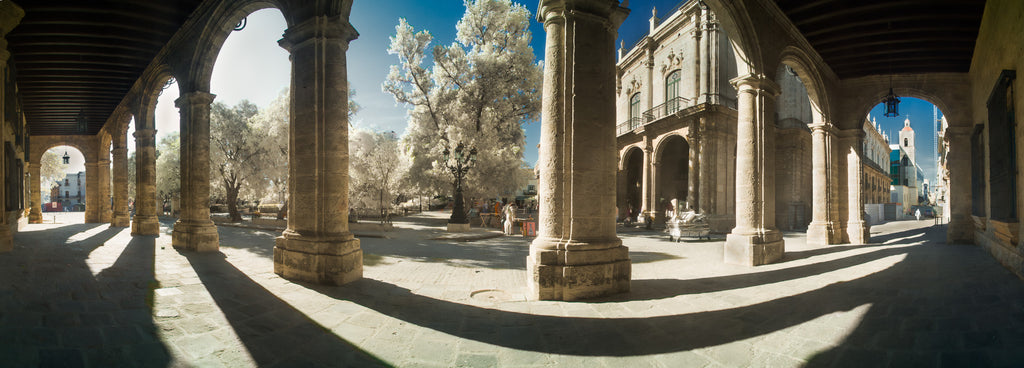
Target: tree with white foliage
(168, 167)
(479, 90)
(235, 154)
(376, 165)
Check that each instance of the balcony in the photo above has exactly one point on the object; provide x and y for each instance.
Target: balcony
(670, 107)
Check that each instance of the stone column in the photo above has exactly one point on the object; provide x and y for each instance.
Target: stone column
(822, 228)
(103, 190)
(194, 229)
(318, 246)
(697, 34)
(576, 254)
(145, 221)
(658, 207)
(705, 59)
(92, 206)
(35, 212)
(857, 231)
(693, 172)
(705, 170)
(647, 200)
(10, 16)
(119, 217)
(958, 162)
(755, 240)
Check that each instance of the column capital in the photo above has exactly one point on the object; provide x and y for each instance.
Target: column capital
(318, 27)
(825, 128)
(958, 130)
(609, 12)
(756, 83)
(194, 98)
(144, 133)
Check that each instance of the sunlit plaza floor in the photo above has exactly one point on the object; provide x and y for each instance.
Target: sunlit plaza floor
(74, 294)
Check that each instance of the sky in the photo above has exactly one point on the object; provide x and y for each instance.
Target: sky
(252, 66)
(920, 114)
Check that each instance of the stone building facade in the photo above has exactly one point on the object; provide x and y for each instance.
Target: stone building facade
(71, 190)
(877, 181)
(676, 115)
(906, 175)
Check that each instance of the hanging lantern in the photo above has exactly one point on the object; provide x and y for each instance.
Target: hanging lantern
(80, 119)
(892, 104)
(67, 159)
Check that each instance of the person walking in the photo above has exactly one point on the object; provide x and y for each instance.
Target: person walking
(917, 214)
(510, 217)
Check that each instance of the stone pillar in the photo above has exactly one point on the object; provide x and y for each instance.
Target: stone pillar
(693, 172)
(103, 189)
(92, 206)
(857, 231)
(658, 206)
(697, 34)
(755, 240)
(10, 16)
(194, 229)
(145, 221)
(705, 169)
(120, 216)
(35, 212)
(958, 162)
(318, 246)
(576, 254)
(647, 201)
(702, 50)
(822, 228)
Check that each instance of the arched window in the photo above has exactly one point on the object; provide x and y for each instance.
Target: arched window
(906, 161)
(905, 144)
(634, 109)
(67, 194)
(672, 103)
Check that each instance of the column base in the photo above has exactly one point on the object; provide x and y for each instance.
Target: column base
(458, 228)
(858, 232)
(580, 271)
(35, 217)
(120, 220)
(960, 230)
(145, 225)
(326, 262)
(822, 233)
(756, 249)
(6, 239)
(197, 236)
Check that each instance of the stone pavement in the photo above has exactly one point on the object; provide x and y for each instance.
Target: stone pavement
(88, 295)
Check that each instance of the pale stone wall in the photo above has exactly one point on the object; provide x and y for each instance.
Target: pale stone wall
(998, 48)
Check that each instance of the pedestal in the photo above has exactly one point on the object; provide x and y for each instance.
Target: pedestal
(577, 272)
(145, 225)
(754, 249)
(821, 233)
(197, 236)
(318, 261)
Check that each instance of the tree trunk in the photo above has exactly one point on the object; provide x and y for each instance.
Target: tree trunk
(232, 199)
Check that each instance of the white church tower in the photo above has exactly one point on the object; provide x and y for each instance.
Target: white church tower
(907, 141)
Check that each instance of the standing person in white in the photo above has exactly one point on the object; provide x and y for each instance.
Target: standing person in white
(510, 216)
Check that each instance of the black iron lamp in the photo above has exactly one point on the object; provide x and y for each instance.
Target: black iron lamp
(892, 104)
(459, 164)
(81, 120)
(67, 159)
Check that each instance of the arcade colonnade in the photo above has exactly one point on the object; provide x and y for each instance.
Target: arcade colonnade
(576, 254)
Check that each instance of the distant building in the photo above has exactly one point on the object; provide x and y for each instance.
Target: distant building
(907, 177)
(70, 192)
(876, 160)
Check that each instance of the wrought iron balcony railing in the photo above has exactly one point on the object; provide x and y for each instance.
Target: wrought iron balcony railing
(670, 107)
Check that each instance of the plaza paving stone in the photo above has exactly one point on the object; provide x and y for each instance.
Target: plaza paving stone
(75, 294)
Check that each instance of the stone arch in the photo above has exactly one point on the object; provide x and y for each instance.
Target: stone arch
(812, 79)
(625, 152)
(87, 145)
(735, 20)
(197, 68)
(673, 155)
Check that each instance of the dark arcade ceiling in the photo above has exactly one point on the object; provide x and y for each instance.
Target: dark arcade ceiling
(82, 56)
(75, 56)
(880, 37)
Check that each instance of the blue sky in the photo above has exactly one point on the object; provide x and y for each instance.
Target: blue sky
(920, 114)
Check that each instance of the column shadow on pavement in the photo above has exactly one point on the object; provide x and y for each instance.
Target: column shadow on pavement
(274, 332)
(942, 313)
(57, 313)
